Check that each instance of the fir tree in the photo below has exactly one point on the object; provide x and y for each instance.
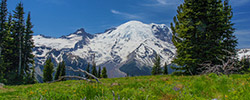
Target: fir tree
(63, 70)
(156, 70)
(88, 70)
(99, 72)
(165, 72)
(104, 73)
(48, 70)
(33, 77)
(58, 71)
(94, 71)
(3, 37)
(28, 45)
(19, 28)
(199, 34)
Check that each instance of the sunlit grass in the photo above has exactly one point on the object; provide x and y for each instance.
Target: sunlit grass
(162, 87)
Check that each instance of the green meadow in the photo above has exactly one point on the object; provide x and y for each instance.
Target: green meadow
(161, 87)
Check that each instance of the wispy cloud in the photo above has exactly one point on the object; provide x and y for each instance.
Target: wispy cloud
(241, 13)
(239, 2)
(163, 3)
(241, 21)
(242, 32)
(126, 15)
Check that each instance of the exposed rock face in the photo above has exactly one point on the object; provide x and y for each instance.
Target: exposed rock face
(127, 49)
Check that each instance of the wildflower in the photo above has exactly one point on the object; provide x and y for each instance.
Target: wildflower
(31, 92)
(226, 96)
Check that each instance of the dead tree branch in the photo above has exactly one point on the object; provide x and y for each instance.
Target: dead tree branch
(80, 70)
(71, 77)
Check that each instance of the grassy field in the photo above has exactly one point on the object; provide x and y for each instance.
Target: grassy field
(162, 87)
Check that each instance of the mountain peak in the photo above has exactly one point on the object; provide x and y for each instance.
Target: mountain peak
(80, 31)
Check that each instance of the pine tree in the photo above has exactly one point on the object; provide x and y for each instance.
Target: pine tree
(99, 72)
(3, 37)
(19, 28)
(165, 72)
(157, 66)
(63, 70)
(199, 34)
(48, 70)
(58, 71)
(33, 77)
(104, 73)
(229, 39)
(88, 70)
(94, 71)
(28, 45)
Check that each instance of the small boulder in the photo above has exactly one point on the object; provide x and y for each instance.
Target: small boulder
(1, 85)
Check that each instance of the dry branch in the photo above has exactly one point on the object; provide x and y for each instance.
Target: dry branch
(80, 70)
(71, 77)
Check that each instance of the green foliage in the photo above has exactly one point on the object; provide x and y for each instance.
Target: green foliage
(58, 71)
(104, 73)
(88, 70)
(156, 70)
(158, 87)
(63, 71)
(245, 64)
(165, 72)
(202, 31)
(48, 70)
(15, 45)
(99, 72)
(94, 70)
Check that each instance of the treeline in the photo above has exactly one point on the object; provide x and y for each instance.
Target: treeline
(16, 46)
(61, 71)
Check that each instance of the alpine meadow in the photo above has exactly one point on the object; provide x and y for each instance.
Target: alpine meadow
(201, 50)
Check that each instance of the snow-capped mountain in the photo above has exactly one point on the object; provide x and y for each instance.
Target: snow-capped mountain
(126, 49)
(243, 53)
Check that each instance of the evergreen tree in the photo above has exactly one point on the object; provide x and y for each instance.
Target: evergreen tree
(28, 45)
(165, 72)
(99, 72)
(229, 39)
(19, 28)
(3, 37)
(94, 71)
(58, 71)
(63, 70)
(156, 70)
(199, 34)
(104, 73)
(88, 70)
(33, 77)
(48, 70)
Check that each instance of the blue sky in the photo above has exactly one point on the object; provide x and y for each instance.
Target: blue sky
(61, 17)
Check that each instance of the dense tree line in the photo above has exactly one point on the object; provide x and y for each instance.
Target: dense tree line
(203, 31)
(157, 70)
(15, 46)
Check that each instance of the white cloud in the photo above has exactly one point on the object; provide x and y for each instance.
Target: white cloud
(163, 3)
(126, 15)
